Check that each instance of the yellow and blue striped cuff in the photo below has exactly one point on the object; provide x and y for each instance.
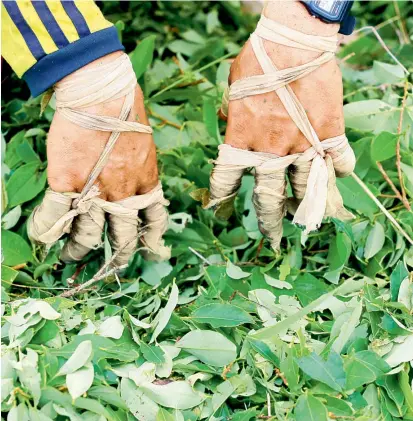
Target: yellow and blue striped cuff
(44, 41)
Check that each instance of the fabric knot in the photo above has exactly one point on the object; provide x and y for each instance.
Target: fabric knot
(320, 151)
(82, 204)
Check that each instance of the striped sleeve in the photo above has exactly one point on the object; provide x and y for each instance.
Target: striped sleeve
(46, 40)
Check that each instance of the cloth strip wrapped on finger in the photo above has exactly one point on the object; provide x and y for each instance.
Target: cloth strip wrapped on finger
(313, 173)
(83, 215)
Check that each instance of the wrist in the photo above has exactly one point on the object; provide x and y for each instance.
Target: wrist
(294, 14)
(95, 64)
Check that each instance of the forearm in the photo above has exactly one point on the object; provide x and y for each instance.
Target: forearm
(294, 14)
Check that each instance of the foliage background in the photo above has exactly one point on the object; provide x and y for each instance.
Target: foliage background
(143, 351)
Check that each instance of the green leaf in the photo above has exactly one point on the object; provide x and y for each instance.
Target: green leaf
(25, 184)
(309, 408)
(12, 158)
(8, 274)
(401, 352)
(338, 254)
(125, 351)
(364, 367)
(308, 288)
(244, 415)
(211, 118)
(46, 333)
(235, 272)
(371, 115)
(338, 407)
(154, 272)
(387, 73)
(177, 395)
(80, 381)
(166, 313)
(11, 218)
(18, 413)
(270, 333)
(142, 407)
(396, 279)
(394, 392)
(142, 55)
(348, 321)
(79, 359)
(406, 388)
(355, 197)
(330, 372)
(221, 315)
(210, 347)
(164, 415)
(383, 146)
(15, 250)
(111, 327)
(264, 350)
(375, 240)
(107, 394)
(152, 353)
(27, 153)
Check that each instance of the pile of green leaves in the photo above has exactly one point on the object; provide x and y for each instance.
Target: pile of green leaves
(226, 330)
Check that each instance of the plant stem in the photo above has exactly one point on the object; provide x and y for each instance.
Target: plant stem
(398, 156)
(391, 184)
(182, 79)
(100, 274)
(382, 208)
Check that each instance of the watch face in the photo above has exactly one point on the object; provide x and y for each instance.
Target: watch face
(326, 5)
(330, 8)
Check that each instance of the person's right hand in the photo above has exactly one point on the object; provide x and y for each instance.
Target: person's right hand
(260, 123)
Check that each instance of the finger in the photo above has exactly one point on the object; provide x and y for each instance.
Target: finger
(156, 223)
(334, 205)
(224, 182)
(344, 160)
(41, 224)
(123, 237)
(269, 200)
(86, 234)
(298, 176)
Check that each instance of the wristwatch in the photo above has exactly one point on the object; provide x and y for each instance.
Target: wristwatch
(333, 11)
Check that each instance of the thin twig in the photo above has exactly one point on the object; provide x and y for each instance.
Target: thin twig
(382, 208)
(398, 156)
(390, 183)
(194, 83)
(186, 76)
(259, 248)
(388, 196)
(383, 44)
(347, 57)
(99, 275)
(164, 120)
(205, 260)
(79, 269)
(382, 87)
(19, 266)
(402, 26)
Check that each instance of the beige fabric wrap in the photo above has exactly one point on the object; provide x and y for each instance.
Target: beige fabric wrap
(83, 215)
(312, 173)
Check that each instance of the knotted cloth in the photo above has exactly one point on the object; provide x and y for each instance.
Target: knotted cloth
(312, 173)
(83, 215)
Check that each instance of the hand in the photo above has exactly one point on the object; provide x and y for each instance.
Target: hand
(131, 169)
(261, 123)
